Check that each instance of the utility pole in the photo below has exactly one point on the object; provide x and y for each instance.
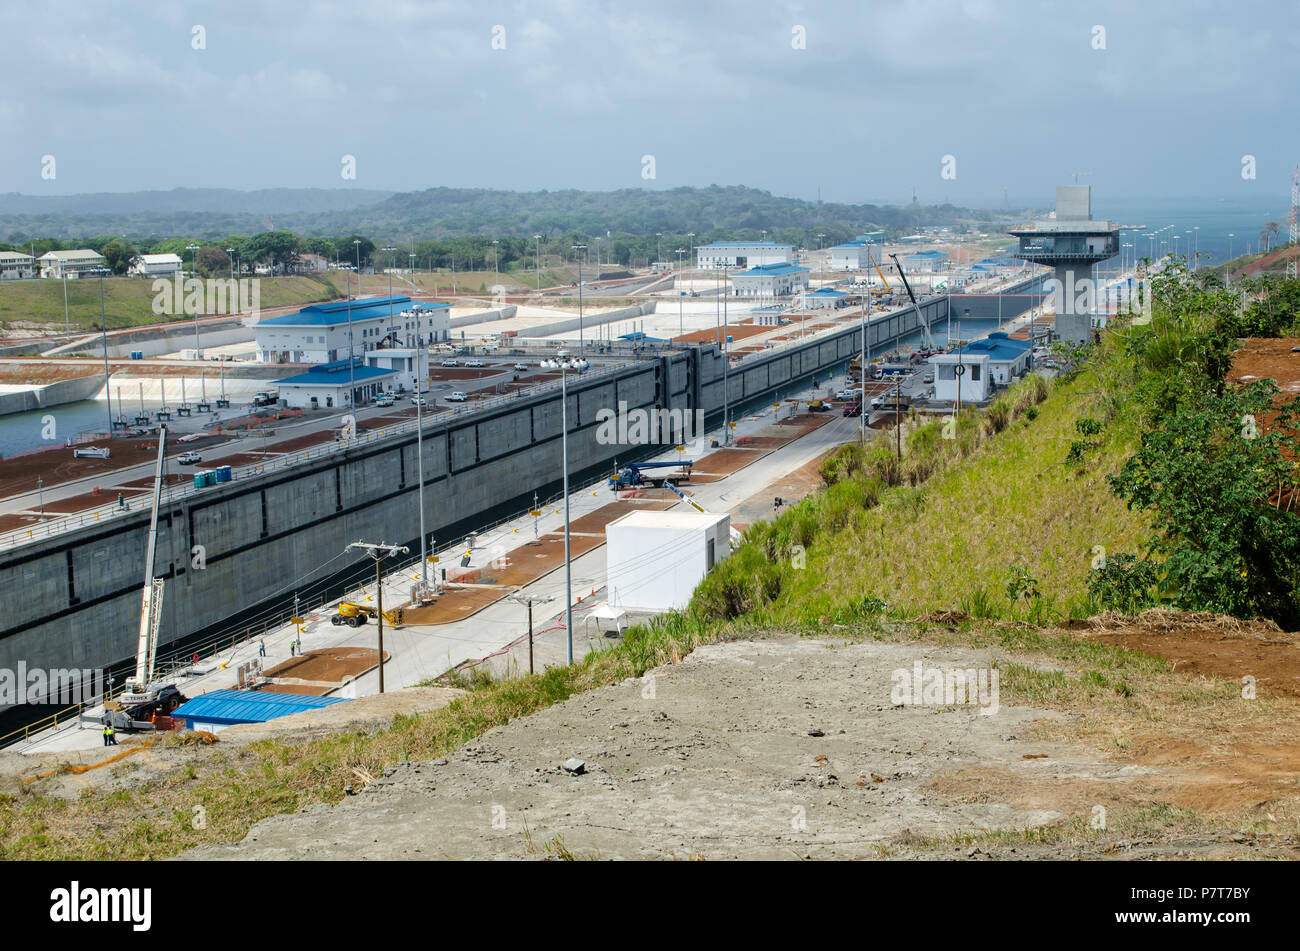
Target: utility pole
(379, 553)
(898, 426)
(529, 600)
(580, 248)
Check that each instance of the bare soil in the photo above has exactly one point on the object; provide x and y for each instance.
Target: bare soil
(794, 748)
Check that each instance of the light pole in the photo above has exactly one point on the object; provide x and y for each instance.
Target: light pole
(659, 240)
(352, 357)
(496, 269)
(726, 364)
(390, 249)
(537, 259)
(564, 366)
(580, 248)
(103, 330)
(690, 235)
(1229, 270)
(194, 266)
(681, 322)
(230, 259)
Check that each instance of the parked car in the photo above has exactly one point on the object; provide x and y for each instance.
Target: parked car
(521, 366)
(418, 400)
(852, 409)
(451, 362)
(848, 394)
(929, 377)
(456, 397)
(385, 400)
(189, 458)
(474, 362)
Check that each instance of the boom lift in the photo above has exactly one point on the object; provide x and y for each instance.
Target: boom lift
(925, 327)
(354, 615)
(145, 699)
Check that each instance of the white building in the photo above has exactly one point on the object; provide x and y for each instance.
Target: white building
(326, 333)
(327, 386)
(770, 280)
(156, 265)
(825, 297)
(654, 560)
(973, 370)
(411, 366)
(70, 264)
(852, 256)
(742, 254)
(14, 265)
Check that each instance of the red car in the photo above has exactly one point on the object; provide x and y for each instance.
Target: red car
(852, 409)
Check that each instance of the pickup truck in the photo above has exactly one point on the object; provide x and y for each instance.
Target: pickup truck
(456, 397)
(189, 458)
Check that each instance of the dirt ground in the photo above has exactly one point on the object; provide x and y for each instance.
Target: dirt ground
(1268, 358)
(1209, 644)
(787, 748)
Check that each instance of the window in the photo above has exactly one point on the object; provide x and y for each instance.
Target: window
(974, 372)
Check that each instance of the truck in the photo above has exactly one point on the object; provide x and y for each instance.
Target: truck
(266, 398)
(633, 475)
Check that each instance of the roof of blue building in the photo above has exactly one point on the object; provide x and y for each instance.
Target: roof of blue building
(770, 270)
(337, 312)
(249, 706)
(998, 346)
(336, 374)
(742, 244)
(929, 253)
(827, 292)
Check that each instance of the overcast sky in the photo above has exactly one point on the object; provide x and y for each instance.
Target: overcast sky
(716, 92)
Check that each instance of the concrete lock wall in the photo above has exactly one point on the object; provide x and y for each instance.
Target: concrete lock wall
(152, 342)
(266, 537)
(501, 313)
(52, 394)
(590, 320)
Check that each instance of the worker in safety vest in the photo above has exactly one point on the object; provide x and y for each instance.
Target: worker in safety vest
(110, 736)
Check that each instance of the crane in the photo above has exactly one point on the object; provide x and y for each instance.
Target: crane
(144, 699)
(631, 475)
(873, 260)
(684, 497)
(925, 327)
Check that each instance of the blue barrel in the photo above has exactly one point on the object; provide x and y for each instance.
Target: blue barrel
(223, 474)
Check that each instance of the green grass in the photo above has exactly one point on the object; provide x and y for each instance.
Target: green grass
(128, 301)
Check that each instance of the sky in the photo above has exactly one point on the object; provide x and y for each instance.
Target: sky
(955, 100)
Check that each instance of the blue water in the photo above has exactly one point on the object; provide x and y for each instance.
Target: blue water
(1216, 218)
(19, 431)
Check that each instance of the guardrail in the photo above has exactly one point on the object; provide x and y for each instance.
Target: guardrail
(171, 495)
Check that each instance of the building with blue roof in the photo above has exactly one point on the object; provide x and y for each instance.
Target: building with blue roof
(992, 361)
(222, 708)
(927, 261)
(742, 254)
(327, 385)
(825, 297)
(779, 279)
(853, 255)
(325, 333)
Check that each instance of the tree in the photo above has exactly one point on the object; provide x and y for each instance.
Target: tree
(118, 255)
(212, 261)
(347, 252)
(277, 248)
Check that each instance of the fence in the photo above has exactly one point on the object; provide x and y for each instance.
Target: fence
(171, 495)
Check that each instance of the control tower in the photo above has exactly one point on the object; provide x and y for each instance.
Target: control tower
(1071, 243)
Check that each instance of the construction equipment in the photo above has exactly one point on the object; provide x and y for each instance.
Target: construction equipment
(144, 699)
(684, 497)
(925, 327)
(354, 615)
(818, 406)
(872, 259)
(633, 474)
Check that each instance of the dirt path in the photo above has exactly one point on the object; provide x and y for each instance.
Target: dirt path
(782, 748)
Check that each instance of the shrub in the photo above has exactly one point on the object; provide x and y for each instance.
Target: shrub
(1124, 584)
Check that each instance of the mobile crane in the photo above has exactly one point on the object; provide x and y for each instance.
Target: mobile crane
(633, 474)
(146, 699)
(925, 327)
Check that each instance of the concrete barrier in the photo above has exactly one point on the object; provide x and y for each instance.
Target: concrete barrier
(52, 394)
(590, 320)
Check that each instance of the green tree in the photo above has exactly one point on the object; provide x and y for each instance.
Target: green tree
(212, 261)
(118, 255)
(276, 248)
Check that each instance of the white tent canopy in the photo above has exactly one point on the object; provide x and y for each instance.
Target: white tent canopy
(607, 618)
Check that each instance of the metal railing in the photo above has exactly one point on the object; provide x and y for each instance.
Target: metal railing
(290, 459)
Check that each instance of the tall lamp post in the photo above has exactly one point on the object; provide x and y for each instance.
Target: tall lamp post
(1228, 271)
(681, 323)
(194, 266)
(496, 268)
(537, 259)
(580, 248)
(564, 366)
(352, 357)
(103, 331)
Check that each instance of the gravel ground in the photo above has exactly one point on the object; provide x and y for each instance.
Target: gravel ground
(780, 748)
